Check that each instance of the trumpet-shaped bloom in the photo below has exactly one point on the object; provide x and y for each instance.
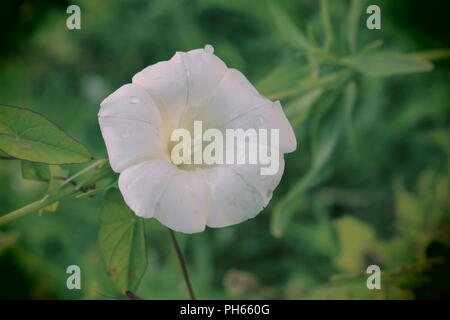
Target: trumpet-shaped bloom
(137, 121)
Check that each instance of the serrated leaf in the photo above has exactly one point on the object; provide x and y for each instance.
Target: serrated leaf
(386, 63)
(27, 135)
(35, 171)
(122, 242)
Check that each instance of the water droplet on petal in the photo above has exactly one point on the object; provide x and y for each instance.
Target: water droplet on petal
(134, 100)
(125, 133)
(209, 48)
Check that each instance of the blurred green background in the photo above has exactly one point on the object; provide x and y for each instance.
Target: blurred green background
(369, 183)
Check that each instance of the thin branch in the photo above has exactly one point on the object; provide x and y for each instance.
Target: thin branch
(182, 264)
(7, 158)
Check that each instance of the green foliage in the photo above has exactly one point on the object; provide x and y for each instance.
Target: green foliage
(349, 105)
(57, 177)
(27, 135)
(122, 243)
(4, 154)
(288, 31)
(35, 171)
(356, 9)
(285, 78)
(358, 245)
(385, 63)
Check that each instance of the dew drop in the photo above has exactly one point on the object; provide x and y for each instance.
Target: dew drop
(134, 100)
(209, 48)
(125, 134)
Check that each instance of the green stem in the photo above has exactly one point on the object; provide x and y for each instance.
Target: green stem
(34, 206)
(66, 189)
(319, 83)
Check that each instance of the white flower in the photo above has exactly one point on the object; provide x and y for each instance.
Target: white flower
(137, 121)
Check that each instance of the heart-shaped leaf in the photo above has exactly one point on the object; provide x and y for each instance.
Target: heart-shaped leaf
(122, 242)
(27, 135)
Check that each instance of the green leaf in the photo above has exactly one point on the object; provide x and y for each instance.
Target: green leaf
(322, 150)
(352, 23)
(358, 243)
(53, 174)
(437, 54)
(4, 154)
(386, 63)
(57, 177)
(27, 135)
(328, 30)
(288, 30)
(349, 105)
(298, 110)
(35, 171)
(325, 131)
(302, 84)
(372, 46)
(285, 208)
(282, 78)
(122, 242)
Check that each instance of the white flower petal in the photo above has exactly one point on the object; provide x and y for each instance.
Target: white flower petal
(269, 116)
(204, 73)
(129, 123)
(130, 142)
(233, 200)
(264, 184)
(185, 203)
(233, 96)
(166, 81)
(142, 185)
(131, 102)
